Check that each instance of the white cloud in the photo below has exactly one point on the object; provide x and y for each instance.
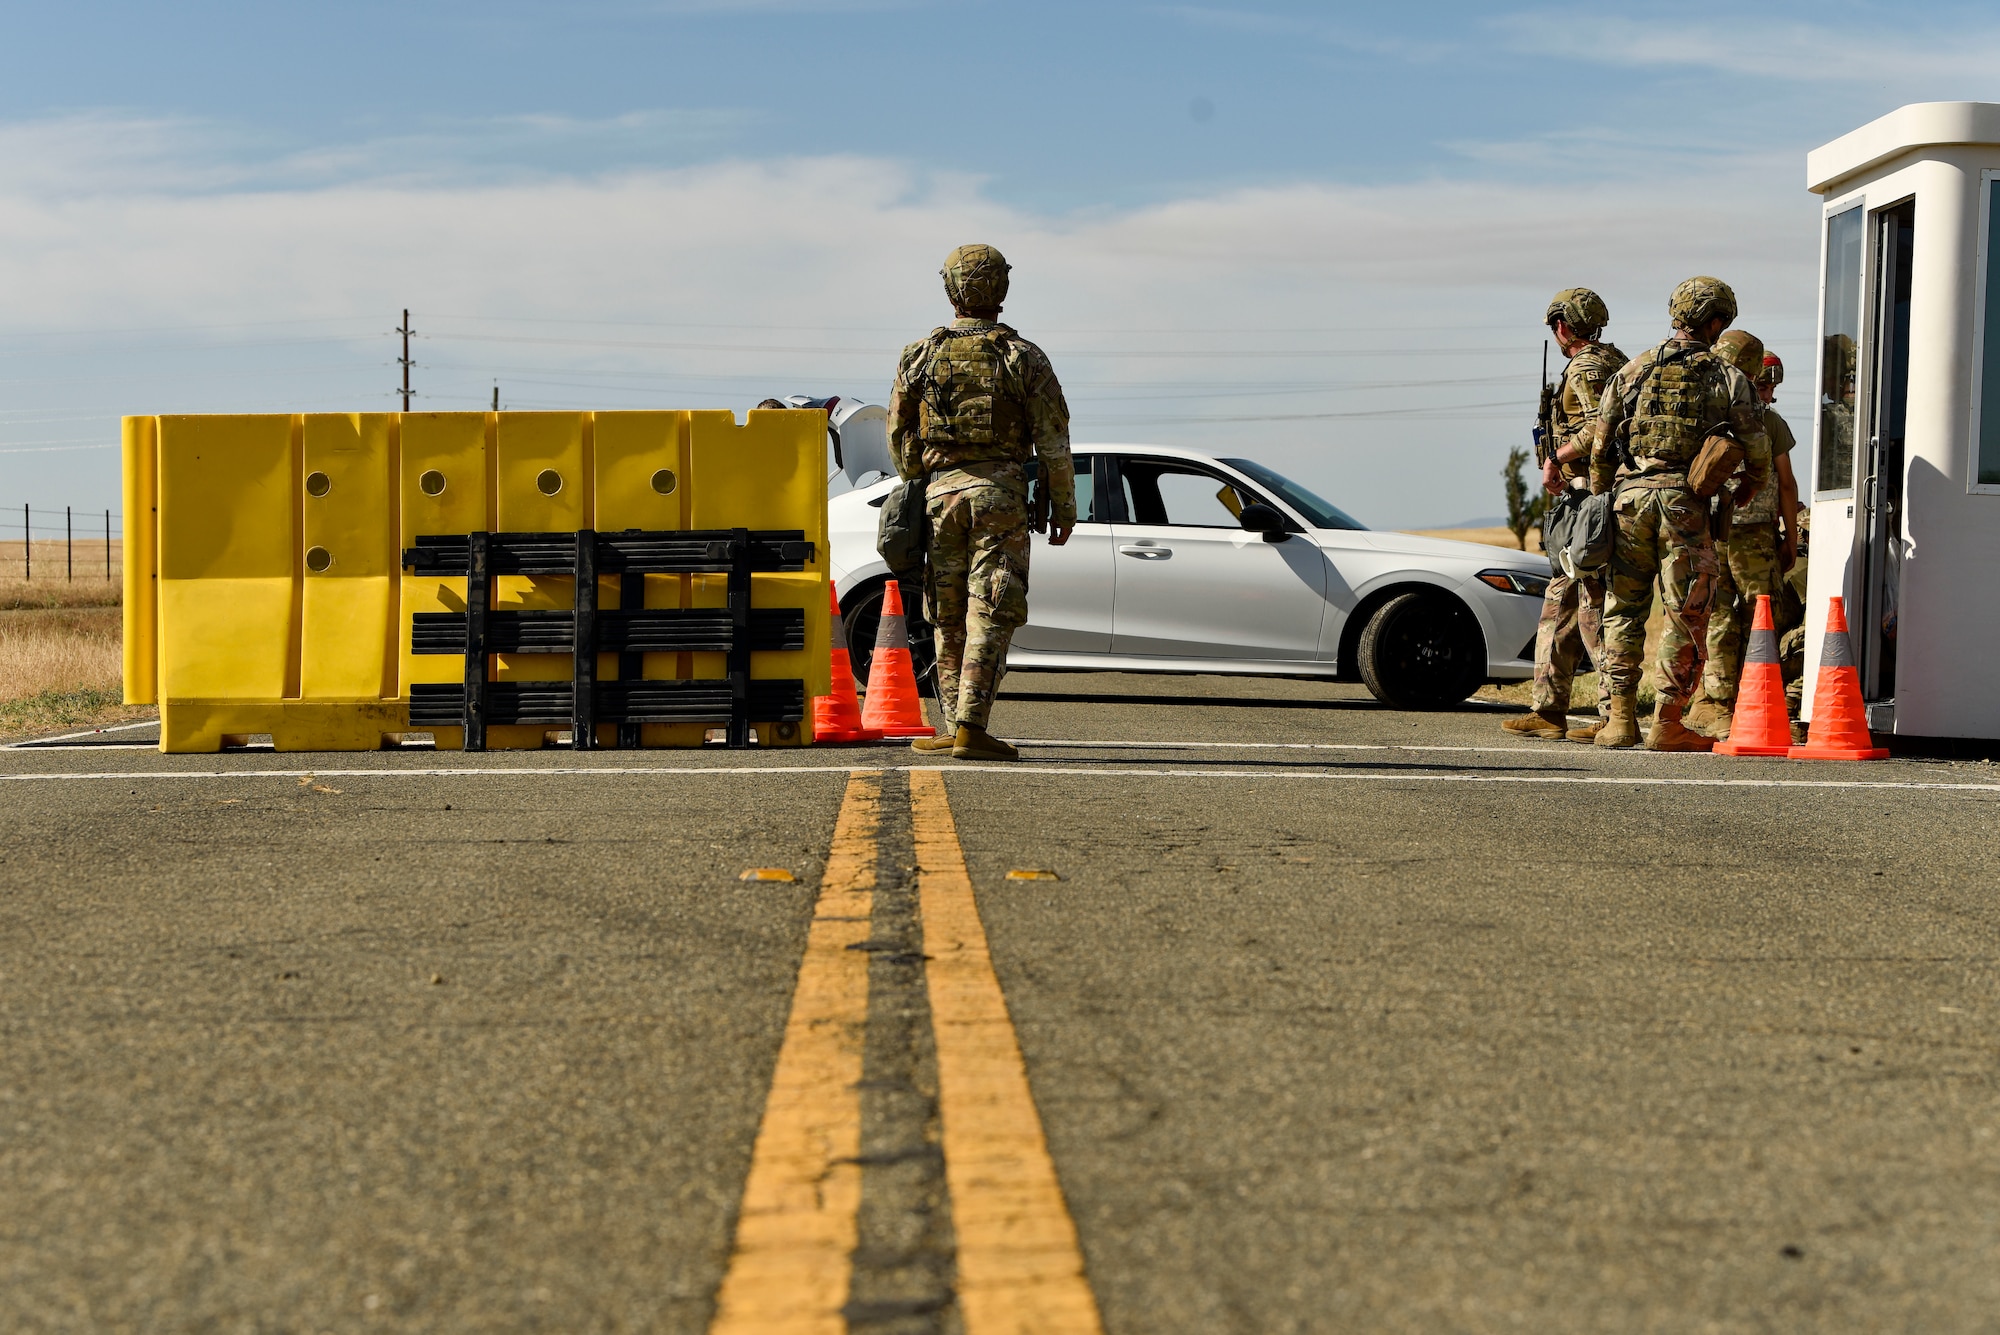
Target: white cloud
(1431, 281)
(1915, 55)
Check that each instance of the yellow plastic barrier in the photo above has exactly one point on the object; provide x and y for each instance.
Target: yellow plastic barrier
(265, 592)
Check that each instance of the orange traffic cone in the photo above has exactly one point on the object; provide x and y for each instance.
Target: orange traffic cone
(893, 708)
(1760, 726)
(1840, 722)
(837, 717)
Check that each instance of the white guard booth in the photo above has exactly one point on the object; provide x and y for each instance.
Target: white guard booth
(1906, 459)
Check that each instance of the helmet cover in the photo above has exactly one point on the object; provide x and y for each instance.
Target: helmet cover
(975, 278)
(1742, 350)
(1701, 299)
(1583, 310)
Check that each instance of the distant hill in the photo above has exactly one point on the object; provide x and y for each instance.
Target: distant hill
(1495, 521)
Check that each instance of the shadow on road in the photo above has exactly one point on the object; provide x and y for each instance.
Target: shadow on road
(1418, 766)
(1242, 702)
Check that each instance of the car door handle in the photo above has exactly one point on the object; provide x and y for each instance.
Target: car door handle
(1147, 553)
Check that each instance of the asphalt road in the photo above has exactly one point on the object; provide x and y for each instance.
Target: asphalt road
(1339, 1019)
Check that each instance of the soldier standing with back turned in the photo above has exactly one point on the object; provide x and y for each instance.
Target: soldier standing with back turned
(1752, 556)
(1655, 415)
(1572, 609)
(969, 406)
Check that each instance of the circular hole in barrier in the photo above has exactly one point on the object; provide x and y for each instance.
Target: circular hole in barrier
(664, 482)
(318, 484)
(548, 482)
(431, 483)
(318, 559)
(787, 731)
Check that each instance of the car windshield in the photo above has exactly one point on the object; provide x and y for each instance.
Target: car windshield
(1318, 513)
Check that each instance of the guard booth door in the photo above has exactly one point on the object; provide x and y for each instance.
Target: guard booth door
(1880, 530)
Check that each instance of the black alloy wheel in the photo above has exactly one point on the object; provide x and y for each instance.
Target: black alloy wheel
(1422, 651)
(863, 616)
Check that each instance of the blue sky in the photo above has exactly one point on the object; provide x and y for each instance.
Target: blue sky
(1318, 234)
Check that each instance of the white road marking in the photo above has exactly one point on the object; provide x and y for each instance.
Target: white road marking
(1305, 746)
(1076, 771)
(48, 743)
(1461, 776)
(468, 772)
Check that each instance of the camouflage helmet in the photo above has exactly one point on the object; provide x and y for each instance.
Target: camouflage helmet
(1581, 309)
(975, 278)
(1742, 350)
(1837, 361)
(1700, 299)
(1772, 372)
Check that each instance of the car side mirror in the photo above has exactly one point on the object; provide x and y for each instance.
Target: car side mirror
(1258, 517)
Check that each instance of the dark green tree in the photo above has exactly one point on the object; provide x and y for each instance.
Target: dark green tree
(1523, 513)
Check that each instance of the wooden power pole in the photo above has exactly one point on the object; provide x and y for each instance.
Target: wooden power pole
(404, 361)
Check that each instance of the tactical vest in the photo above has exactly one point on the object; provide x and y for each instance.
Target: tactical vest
(1668, 408)
(964, 413)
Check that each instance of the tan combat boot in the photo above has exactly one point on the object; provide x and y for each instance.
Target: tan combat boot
(1669, 734)
(943, 739)
(975, 743)
(1622, 727)
(1536, 725)
(1587, 733)
(1704, 712)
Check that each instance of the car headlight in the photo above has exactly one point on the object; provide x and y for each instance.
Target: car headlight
(1515, 581)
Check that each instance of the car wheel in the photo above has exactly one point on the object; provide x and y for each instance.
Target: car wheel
(1422, 651)
(863, 616)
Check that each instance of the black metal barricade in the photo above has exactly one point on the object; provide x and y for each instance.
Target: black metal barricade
(581, 703)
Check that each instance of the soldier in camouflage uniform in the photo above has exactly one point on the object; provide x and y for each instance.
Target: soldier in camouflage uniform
(1654, 416)
(1572, 609)
(1753, 555)
(970, 404)
(1791, 622)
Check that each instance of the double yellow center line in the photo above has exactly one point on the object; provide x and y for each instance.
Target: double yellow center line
(1020, 1270)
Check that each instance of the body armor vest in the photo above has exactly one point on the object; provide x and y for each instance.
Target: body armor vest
(1669, 408)
(964, 413)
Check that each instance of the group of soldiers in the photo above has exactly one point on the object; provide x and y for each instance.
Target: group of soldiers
(1633, 427)
(974, 403)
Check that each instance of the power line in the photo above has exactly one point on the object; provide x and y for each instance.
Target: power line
(883, 351)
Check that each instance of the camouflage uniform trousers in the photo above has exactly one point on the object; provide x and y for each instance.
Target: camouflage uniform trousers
(1792, 666)
(1790, 605)
(1747, 565)
(978, 593)
(1572, 623)
(1662, 531)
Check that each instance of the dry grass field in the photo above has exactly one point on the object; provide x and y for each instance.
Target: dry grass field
(61, 655)
(1492, 537)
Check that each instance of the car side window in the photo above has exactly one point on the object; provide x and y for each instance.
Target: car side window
(1086, 489)
(1162, 493)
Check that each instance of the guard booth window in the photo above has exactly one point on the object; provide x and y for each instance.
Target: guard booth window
(1988, 463)
(1840, 327)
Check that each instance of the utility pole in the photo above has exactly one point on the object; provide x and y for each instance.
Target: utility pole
(69, 547)
(107, 546)
(27, 541)
(404, 361)
(496, 396)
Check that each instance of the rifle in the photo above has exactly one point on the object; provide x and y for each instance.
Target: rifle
(1545, 424)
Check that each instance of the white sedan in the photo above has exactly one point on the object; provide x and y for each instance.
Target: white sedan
(1185, 563)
